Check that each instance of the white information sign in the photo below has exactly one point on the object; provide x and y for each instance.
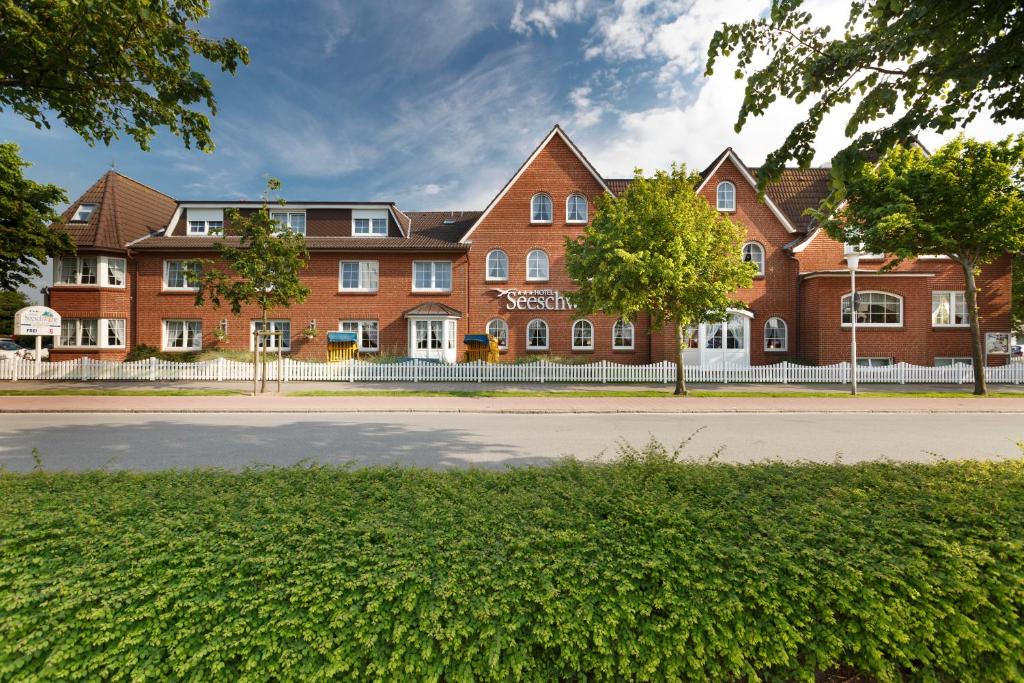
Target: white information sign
(37, 321)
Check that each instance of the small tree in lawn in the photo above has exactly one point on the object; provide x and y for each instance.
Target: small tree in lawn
(659, 248)
(263, 269)
(966, 202)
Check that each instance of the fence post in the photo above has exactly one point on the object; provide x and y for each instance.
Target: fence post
(903, 373)
(220, 368)
(959, 373)
(85, 368)
(785, 372)
(415, 371)
(14, 369)
(604, 372)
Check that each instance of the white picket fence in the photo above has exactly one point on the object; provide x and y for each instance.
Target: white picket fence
(220, 370)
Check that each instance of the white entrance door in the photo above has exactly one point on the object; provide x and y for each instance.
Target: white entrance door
(433, 338)
(708, 348)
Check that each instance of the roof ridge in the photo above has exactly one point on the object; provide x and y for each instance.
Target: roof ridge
(140, 183)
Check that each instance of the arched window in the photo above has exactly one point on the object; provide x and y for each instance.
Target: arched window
(582, 335)
(754, 252)
(622, 335)
(726, 196)
(497, 265)
(537, 335)
(540, 208)
(875, 309)
(537, 265)
(776, 337)
(576, 208)
(498, 329)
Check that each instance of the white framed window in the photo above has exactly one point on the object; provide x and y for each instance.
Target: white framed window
(622, 335)
(576, 208)
(115, 271)
(753, 252)
(949, 361)
(369, 223)
(429, 334)
(583, 335)
(358, 276)
(86, 332)
(691, 338)
(183, 335)
(497, 265)
(284, 339)
(735, 334)
(875, 309)
(204, 221)
(176, 275)
(949, 309)
(859, 249)
(537, 335)
(498, 329)
(726, 196)
(115, 332)
(776, 335)
(83, 213)
(78, 270)
(873, 362)
(431, 276)
(537, 265)
(367, 333)
(295, 221)
(540, 208)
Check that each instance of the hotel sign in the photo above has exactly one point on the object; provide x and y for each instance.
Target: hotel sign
(534, 300)
(37, 320)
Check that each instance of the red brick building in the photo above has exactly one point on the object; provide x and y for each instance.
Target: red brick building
(414, 283)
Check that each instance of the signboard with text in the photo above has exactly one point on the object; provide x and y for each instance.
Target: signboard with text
(534, 300)
(37, 321)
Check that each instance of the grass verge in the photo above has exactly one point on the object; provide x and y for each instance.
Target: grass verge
(643, 393)
(646, 569)
(121, 392)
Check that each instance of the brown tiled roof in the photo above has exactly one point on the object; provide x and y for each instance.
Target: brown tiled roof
(431, 224)
(125, 210)
(617, 185)
(414, 243)
(433, 308)
(797, 190)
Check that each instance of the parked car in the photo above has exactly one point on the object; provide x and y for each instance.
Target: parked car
(29, 343)
(1017, 350)
(10, 349)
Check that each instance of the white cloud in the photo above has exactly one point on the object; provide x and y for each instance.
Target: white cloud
(545, 17)
(587, 113)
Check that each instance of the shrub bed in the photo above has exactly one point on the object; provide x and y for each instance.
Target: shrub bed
(646, 569)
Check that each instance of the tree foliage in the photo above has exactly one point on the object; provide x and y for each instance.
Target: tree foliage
(10, 303)
(642, 570)
(659, 249)
(966, 202)
(927, 64)
(264, 263)
(104, 68)
(26, 210)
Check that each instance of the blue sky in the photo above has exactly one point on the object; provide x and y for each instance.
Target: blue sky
(435, 104)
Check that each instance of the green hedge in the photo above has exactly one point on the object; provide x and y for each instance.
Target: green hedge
(642, 570)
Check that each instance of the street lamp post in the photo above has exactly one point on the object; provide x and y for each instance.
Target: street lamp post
(852, 261)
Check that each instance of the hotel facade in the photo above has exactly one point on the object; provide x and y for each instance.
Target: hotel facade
(414, 283)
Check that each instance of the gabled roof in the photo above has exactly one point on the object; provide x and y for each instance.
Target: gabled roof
(555, 130)
(125, 211)
(729, 154)
(798, 189)
(434, 309)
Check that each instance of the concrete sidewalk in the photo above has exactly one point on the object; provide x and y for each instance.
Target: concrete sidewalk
(270, 403)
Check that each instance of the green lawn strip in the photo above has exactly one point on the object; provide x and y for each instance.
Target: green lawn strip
(646, 569)
(121, 392)
(646, 393)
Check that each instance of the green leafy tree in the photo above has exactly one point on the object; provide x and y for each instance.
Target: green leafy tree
(103, 68)
(660, 249)
(263, 269)
(109, 67)
(26, 210)
(1018, 295)
(966, 202)
(10, 303)
(933, 64)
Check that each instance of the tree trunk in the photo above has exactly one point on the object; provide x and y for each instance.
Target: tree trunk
(977, 350)
(680, 367)
(263, 354)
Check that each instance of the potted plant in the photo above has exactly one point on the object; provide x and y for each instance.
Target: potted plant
(310, 332)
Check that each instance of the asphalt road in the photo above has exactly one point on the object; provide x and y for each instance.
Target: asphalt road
(160, 441)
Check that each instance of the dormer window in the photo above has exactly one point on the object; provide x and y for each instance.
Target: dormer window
(201, 222)
(576, 209)
(369, 223)
(540, 209)
(83, 212)
(726, 196)
(295, 221)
